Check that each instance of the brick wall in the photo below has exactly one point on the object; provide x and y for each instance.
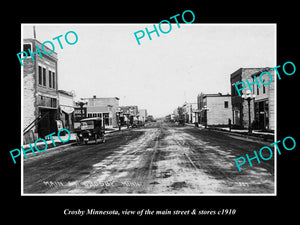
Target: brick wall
(268, 95)
(217, 114)
(29, 83)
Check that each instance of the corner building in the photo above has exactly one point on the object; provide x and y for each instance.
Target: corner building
(40, 91)
(261, 107)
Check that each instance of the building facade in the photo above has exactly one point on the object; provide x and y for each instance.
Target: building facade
(105, 108)
(214, 109)
(40, 93)
(129, 114)
(66, 109)
(264, 103)
(261, 107)
(143, 115)
(189, 110)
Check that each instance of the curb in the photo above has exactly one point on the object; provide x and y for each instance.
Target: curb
(257, 138)
(262, 138)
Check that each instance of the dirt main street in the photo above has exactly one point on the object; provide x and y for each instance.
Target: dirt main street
(158, 159)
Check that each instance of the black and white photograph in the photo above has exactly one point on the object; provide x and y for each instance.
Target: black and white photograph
(136, 114)
(143, 109)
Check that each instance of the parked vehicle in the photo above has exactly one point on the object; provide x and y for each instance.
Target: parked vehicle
(91, 129)
(137, 123)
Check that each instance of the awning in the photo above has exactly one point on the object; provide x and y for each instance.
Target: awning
(67, 109)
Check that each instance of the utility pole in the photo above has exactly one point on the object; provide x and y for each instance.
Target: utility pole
(34, 33)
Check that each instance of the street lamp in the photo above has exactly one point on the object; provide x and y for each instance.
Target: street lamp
(118, 116)
(249, 96)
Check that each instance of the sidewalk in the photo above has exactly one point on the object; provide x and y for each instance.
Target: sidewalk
(71, 141)
(256, 134)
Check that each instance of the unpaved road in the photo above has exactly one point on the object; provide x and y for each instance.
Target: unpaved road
(159, 159)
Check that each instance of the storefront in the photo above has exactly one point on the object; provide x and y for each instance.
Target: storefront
(66, 109)
(261, 115)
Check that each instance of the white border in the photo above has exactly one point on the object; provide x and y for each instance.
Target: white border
(116, 24)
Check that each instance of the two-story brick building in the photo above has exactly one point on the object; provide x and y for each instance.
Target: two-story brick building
(261, 107)
(40, 96)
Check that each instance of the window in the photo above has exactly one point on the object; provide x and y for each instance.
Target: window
(225, 104)
(257, 90)
(44, 76)
(26, 47)
(50, 77)
(40, 76)
(53, 102)
(53, 80)
(264, 87)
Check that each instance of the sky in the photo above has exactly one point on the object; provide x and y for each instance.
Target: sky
(160, 74)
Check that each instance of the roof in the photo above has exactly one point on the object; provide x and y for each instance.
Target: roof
(65, 93)
(90, 118)
(240, 70)
(260, 71)
(103, 98)
(53, 55)
(215, 95)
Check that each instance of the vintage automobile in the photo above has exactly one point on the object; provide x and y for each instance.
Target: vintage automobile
(91, 129)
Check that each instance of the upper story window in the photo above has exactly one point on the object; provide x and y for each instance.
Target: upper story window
(225, 104)
(46, 77)
(264, 87)
(53, 80)
(40, 78)
(26, 47)
(50, 79)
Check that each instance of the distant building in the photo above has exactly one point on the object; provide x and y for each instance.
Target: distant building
(40, 94)
(261, 108)
(214, 109)
(142, 115)
(105, 108)
(132, 110)
(129, 114)
(189, 110)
